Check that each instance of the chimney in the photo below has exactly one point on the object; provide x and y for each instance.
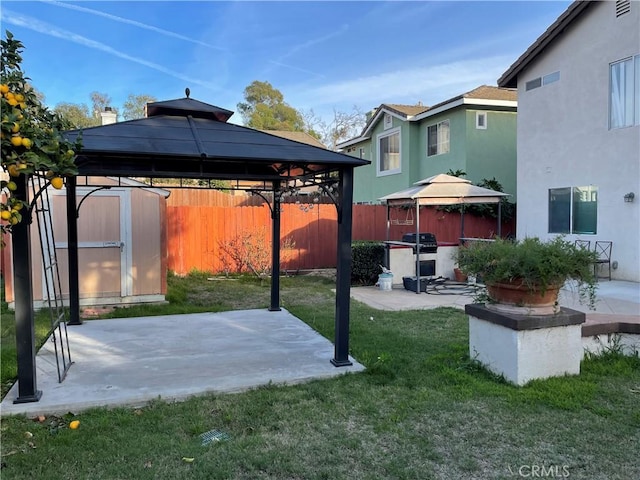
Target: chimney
(108, 116)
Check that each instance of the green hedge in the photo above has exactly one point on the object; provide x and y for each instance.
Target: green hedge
(367, 258)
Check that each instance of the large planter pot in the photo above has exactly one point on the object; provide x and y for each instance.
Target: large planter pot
(516, 296)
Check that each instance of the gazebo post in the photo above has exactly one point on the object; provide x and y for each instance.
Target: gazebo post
(72, 249)
(275, 249)
(417, 245)
(343, 270)
(23, 292)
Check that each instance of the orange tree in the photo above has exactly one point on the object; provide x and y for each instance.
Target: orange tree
(32, 141)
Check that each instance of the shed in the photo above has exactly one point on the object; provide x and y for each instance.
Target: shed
(122, 254)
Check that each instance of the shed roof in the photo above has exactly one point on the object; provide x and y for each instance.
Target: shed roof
(185, 138)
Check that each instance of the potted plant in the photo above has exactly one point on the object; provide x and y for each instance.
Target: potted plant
(529, 272)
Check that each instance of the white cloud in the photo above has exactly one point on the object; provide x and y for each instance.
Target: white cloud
(134, 23)
(431, 84)
(48, 29)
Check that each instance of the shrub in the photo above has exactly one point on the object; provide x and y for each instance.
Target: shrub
(367, 258)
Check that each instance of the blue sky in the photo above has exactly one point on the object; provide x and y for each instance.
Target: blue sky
(321, 55)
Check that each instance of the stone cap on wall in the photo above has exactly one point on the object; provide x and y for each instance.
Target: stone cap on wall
(563, 317)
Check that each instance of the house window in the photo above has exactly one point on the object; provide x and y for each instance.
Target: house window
(388, 121)
(550, 78)
(361, 152)
(535, 83)
(573, 210)
(389, 152)
(544, 80)
(481, 120)
(624, 93)
(438, 138)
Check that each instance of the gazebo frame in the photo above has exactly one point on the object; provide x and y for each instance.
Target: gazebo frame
(188, 139)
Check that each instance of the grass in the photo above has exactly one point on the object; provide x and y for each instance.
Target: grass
(423, 409)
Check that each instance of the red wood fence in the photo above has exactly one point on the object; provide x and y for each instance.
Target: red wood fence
(199, 223)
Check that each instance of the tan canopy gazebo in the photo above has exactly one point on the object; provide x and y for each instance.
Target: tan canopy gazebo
(442, 189)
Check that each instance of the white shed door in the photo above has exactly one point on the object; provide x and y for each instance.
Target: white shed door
(104, 252)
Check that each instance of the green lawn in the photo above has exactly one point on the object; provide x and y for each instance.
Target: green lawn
(422, 410)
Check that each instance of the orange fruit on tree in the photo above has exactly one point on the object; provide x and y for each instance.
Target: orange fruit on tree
(12, 101)
(5, 215)
(4, 88)
(13, 170)
(26, 142)
(15, 128)
(16, 141)
(57, 182)
(19, 97)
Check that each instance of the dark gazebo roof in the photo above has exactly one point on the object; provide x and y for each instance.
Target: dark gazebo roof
(185, 138)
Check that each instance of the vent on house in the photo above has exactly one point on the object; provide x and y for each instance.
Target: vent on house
(622, 7)
(388, 121)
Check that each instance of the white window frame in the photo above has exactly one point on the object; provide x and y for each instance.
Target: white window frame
(389, 133)
(439, 141)
(576, 196)
(624, 106)
(480, 125)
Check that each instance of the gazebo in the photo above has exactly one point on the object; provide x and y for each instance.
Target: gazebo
(189, 139)
(438, 190)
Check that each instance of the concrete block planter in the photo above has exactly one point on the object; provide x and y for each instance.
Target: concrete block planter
(524, 347)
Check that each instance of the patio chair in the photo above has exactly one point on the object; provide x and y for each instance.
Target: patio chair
(586, 244)
(603, 249)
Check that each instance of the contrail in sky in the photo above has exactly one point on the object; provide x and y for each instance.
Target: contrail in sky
(48, 29)
(135, 23)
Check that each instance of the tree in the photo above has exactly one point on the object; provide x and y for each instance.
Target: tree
(134, 106)
(31, 138)
(77, 114)
(264, 108)
(343, 126)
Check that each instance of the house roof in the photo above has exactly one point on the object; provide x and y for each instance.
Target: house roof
(555, 30)
(405, 110)
(302, 137)
(185, 138)
(486, 95)
(443, 189)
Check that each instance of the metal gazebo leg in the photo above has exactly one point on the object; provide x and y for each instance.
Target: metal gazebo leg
(343, 271)
(25, 322)
(275, 250)
(72, 243)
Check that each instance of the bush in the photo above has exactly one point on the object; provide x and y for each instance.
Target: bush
(367, 258)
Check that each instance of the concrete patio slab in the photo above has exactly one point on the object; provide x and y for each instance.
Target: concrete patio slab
(613, 297)
(131, 361)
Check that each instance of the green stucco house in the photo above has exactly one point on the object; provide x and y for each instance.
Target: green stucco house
(474, 132)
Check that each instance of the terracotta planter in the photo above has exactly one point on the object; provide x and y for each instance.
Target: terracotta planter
(521, 295)
(459, 275)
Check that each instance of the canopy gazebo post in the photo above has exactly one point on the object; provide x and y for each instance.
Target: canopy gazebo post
(72, 249)
(462, 223)
(23, 297)
(343, 270)
(275, 249)
(417, 250)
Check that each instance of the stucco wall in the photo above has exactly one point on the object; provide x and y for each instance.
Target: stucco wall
(564, 139)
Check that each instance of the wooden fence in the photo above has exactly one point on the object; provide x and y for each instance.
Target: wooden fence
(200, 223)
